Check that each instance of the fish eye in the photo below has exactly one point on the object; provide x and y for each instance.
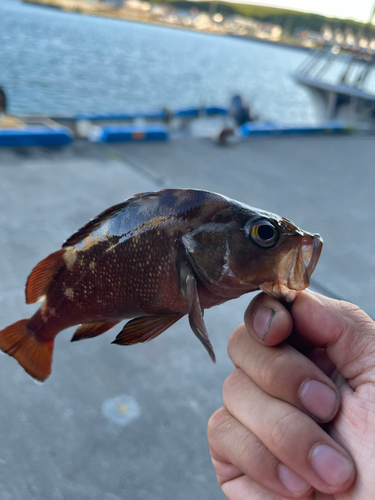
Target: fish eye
(263, 233)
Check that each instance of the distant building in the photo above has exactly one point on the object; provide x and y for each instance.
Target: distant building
(269, 31)
(137, 5)
(115, 3)
(160, 10)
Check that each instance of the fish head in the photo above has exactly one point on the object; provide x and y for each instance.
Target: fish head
(286, 257)
(255, 250)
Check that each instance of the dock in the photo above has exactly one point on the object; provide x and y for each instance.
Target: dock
(56, 441)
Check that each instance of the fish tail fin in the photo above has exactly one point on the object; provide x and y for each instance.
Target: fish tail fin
(34, 356)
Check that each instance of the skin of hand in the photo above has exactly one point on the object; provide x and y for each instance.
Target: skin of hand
(299, 409)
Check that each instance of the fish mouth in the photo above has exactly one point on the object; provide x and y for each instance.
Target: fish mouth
(295, 269)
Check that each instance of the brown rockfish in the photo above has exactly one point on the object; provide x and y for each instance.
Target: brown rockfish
(155, 258)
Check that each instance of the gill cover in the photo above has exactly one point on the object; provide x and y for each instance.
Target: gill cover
(207, 250)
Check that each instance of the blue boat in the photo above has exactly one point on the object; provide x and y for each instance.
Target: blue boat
(340, 76)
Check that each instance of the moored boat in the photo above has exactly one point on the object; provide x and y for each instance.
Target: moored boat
(340, 77)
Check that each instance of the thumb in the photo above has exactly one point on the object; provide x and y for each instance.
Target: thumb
(343, 329)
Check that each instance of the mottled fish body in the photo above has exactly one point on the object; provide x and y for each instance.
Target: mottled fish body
(155, 258)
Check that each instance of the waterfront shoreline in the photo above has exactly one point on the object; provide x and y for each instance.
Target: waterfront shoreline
(111, 13)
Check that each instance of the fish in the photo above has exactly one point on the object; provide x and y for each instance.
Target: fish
(155, 258)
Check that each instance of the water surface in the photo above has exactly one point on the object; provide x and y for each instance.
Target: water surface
(58, 62)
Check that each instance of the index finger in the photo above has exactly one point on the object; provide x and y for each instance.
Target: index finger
(345, 331)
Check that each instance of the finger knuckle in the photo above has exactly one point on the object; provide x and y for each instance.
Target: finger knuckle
(232, 384)
(354, 316)
(272, 372)
(234, 340)
(251, 451)
(356, 335)
(217, 425)
(282, 432)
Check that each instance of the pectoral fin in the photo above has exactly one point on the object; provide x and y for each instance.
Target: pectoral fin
(90, 330)
(188, 287)
(145, 328)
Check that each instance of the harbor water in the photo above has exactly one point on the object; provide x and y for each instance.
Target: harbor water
(55, 62)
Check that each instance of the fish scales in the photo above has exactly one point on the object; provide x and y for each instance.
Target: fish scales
(115, 272)
(154, 258)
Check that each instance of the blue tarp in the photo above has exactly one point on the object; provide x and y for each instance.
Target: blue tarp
(272, 128)
(35, 136)
(155, 115)
(129, 133)
(93, 117)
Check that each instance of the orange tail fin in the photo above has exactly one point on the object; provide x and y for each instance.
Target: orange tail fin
(19, 342)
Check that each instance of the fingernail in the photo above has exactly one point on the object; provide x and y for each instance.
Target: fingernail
(319, 399)
(331, 465)
(262, 321)
(292, 481)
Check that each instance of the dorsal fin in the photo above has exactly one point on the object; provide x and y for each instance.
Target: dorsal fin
(97, 221)
(41, 276)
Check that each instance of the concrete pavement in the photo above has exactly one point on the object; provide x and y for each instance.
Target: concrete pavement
(55, 441)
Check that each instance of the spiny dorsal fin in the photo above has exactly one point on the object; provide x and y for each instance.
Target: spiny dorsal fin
(90, 330)
(41, 276)
(97, 221)
(145, 328)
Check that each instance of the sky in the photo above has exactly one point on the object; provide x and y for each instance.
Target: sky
(358, 9)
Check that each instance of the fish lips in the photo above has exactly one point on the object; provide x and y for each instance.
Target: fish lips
(305, 261)
(295, 269)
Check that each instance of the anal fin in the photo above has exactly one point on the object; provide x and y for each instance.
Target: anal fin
(90, 330)
(145, 328)
(41, 276)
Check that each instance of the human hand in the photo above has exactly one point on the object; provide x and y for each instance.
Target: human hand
(268, 442)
